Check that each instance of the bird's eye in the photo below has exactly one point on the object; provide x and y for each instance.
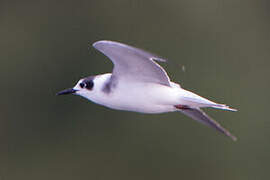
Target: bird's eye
(89, 85)
(82, 85)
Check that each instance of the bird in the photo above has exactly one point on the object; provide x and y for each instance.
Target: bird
(139, 84)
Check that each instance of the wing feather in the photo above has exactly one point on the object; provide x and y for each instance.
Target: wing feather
(133, 64)
(199, 115)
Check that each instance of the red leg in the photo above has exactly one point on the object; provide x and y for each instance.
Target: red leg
(179, 106)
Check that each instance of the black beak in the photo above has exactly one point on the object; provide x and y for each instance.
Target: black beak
(67, 91)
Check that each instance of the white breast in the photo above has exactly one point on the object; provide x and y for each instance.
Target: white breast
(141, 97)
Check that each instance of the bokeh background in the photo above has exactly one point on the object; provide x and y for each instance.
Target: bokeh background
(216, 48)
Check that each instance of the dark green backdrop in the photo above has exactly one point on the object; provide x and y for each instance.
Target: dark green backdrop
(223, 45)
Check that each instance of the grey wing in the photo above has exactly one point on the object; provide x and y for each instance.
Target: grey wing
(133, 64)
(199, 115)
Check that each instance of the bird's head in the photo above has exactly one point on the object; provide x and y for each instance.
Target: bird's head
(91, 87)
(84, 87)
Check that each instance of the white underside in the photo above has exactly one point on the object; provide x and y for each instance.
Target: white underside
(147, 97)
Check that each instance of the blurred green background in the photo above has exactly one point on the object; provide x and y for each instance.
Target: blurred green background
(223, 45)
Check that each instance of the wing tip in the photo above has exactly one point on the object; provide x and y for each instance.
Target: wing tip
(199, 115)
(157, 58)
(95, 44)
(100, 45)
(234, 138)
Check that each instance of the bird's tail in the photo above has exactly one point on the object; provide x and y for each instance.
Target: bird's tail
(223, 107)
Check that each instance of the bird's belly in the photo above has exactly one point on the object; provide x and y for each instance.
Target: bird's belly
(150, 99)
(141, 107)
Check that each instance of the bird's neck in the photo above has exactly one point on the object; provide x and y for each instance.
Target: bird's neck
(103, 83)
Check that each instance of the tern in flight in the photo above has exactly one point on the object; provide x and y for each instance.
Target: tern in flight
(137, 83)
